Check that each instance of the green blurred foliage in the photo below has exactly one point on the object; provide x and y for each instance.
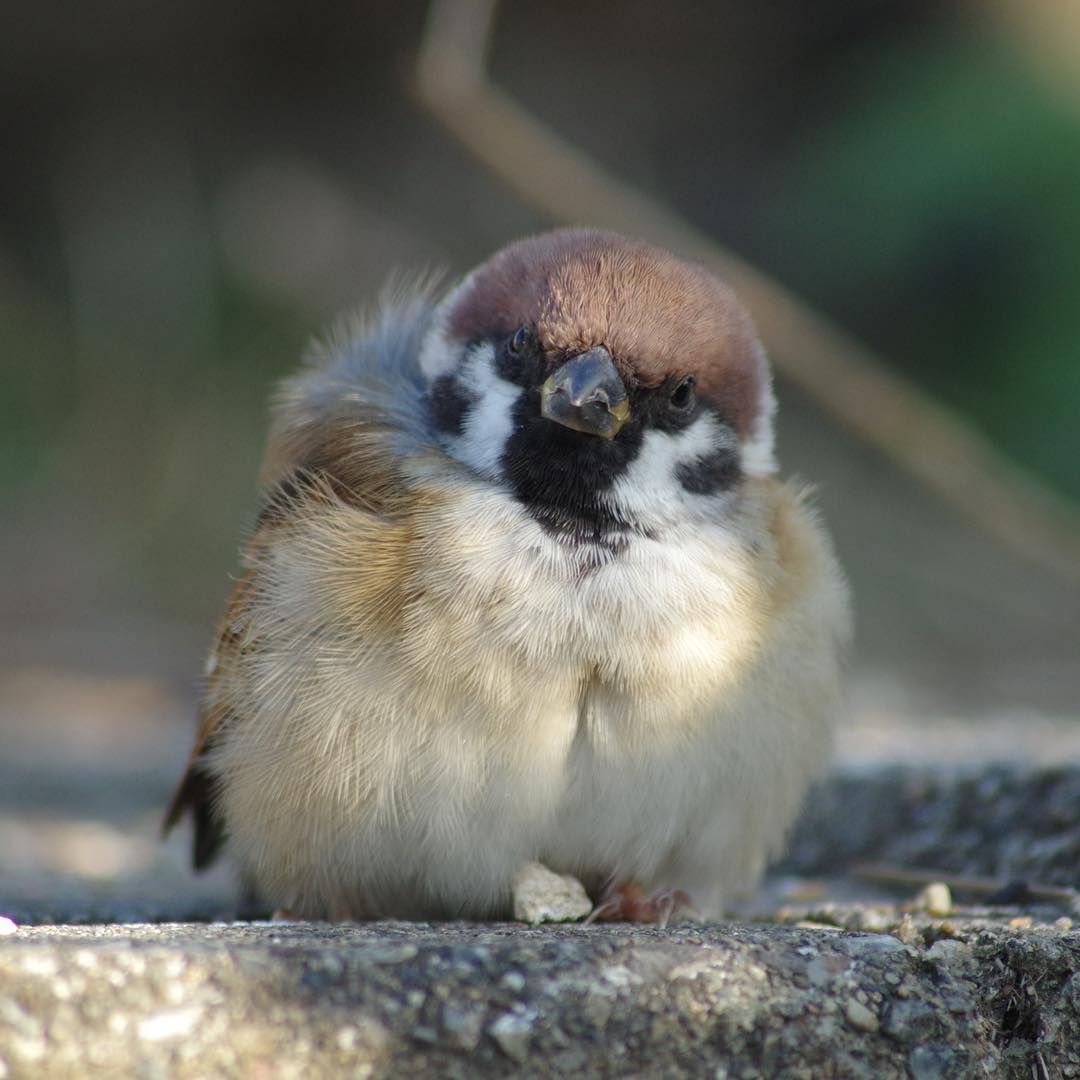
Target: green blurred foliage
(937, 211)
(36, 396)
(172, 234)
(143, 453)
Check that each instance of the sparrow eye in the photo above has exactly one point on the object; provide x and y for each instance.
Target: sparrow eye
(682, 397)
(520, 339)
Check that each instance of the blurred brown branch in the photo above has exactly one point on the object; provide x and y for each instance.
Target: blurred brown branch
(850, 383)
(905, 877)
(1046, 31)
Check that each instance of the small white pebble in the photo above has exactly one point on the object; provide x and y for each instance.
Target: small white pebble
(512, 1032)
(44, 966)
(935, 899)
(541, 895)
(7, 926)
(168, 1025)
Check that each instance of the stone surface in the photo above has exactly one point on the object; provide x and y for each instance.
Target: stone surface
(461, 1000)
(832, 976)
(1011, 823)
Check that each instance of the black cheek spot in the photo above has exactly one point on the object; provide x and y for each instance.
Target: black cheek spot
(718, 471)
(448, 404)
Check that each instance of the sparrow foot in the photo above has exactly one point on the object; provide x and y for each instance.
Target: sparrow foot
(629, 902)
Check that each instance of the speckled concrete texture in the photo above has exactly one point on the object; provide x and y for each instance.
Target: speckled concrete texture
(457, 1000)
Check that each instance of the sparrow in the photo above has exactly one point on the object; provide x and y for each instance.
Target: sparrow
(524, 588)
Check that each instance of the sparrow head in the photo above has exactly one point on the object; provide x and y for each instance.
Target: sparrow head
(608, 384)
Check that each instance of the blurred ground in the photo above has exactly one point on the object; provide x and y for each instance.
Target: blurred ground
(189, 195)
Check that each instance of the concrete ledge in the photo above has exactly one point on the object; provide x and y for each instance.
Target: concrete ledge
(835, 980)
(931, 998)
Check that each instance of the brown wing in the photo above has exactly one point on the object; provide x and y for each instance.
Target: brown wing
(333, 462)
(196, 791)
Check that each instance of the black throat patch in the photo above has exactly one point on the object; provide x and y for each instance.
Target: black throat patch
(560, 475)
(563, 477)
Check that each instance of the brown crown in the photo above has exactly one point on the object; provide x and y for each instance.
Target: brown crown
(657, 315)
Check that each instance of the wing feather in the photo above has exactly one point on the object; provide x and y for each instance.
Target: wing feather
(340, 428)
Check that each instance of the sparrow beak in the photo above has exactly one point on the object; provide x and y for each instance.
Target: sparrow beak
(586, 394)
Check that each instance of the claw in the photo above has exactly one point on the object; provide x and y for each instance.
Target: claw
(628, 902)
(606, 911)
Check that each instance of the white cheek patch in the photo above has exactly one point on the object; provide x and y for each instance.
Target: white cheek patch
(758, 457)
(439, 355)
(650, 490)
(489, 421)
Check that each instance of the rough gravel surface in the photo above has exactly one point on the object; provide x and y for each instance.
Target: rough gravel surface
(920, 999)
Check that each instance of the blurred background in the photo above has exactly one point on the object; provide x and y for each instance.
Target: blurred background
(191, 190)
